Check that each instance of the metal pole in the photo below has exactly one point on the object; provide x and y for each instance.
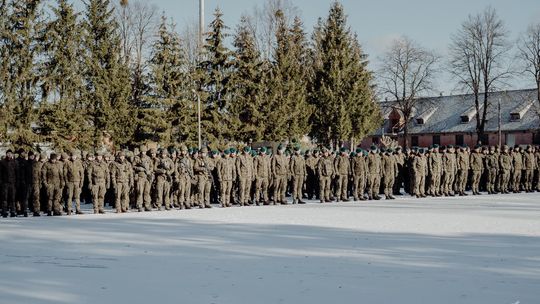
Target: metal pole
(500, 134)
(201, 23)
(199, 119)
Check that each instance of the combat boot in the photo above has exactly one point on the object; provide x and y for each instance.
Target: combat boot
(36, 213)
(25, 214)
(391, 196)
(4, 214)
(301, 202)
(12, 214)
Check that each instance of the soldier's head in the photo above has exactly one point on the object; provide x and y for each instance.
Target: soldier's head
(143, 149)
(164, 153)
(505, 149)
(43, 157)
(204, 152)
(99, 156)
(281, 149)
(398, 150)
(31, 155)
(297, 150)
(9, 154)
(373, 149)
(153, 153)
(74, 155)
(54, 158)
(226, 153)
(121, 156)
(183, 150)
(247, 150)
(437, 148)
(491, 149)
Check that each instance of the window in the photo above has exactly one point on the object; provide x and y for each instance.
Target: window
(414, 141)
(459, 140)
(464, 119)
(515, 117)
(436, 139)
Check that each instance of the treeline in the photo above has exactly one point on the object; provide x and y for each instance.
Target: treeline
(78, 79)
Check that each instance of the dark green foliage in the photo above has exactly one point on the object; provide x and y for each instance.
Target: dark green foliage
(341, 88)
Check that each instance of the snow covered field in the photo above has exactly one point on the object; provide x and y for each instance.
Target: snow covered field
(483, 249)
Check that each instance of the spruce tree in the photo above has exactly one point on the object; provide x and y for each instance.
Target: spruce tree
(107, 79)
(248, 104)
(62, 112)
(22, 24)
(167, 114)
(212, 78)
(341, 87)
(287, 83)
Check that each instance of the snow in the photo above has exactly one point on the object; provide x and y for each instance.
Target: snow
(481, 249)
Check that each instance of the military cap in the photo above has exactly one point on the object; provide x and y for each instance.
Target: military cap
(43, 155)
(390, 150)
(450, 146)
(383, 149)
(143, 149)
(204, 150)
(172, 150)
(247, 149)
(398, 148)
(353, 154)
(365, 153)
(183, 148)
(54, 156)
(9, 151)
(233, 150)
(263, 150)
(254, 153)
(358, 150)
(343, 150)
(227, 152)
(437, 146)
(373, 147)
(296, 148)
(281, 147)
(120, 153)
(215, 152)
(153, 151)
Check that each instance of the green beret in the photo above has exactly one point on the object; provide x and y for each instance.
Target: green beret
(247, 149)
(358, 150)
(373, 147)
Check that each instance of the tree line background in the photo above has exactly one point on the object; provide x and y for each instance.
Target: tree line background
(119, 71)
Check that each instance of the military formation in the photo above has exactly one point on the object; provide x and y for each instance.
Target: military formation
(147, 179)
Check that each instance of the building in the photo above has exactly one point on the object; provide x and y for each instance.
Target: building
(451, 120)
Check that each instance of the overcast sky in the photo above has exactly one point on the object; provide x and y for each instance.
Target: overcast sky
(378, 22)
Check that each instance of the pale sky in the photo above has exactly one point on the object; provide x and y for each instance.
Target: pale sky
(378, 22)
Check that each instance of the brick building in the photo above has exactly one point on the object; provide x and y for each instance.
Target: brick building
(451, 120)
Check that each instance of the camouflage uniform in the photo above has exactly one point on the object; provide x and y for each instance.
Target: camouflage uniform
(476, 164)
(244, 171)
(280, 170)
(53, 179)
(37, 165)
(202, 168)
(311, 171)
(74, 176)
(262, 176)
(8, 178)
(529, 165)
(374, 171)
(358, 170)
(226, 168)
(122, 181)
(505, 167)
(299, 175)
(435, 164)
(184, 173)
(342, 170)
(419, 167)
(492, 166)
(325, 170)
(517, 167)
(164, 171)
(24, 181)
(389, 170)
(99, 181)
(462, 164)
(449, 171)
(143, 168)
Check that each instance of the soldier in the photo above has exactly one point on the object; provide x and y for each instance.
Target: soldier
(244, 171)
(53, 180)
(203, 170)
(449, 169)
(434, 161)
(358, 170)
(280, 170)
(342, 170)
(262, 176)
(73, 171)
(462, 163)
(9, 178)
(419, 167)
(491, 164)
(311, 171)
(529, 165)
(325, 171)
(226, 168)
(299, 175)
(517, 167)
(400, 161)
(389, 170)
(99, 181)
(143, 168)
(184, 173)
(374, 171)
(476, 163)
(122, 181)
(537, 156)
(505, 167)
(164, 171)
(24, 168)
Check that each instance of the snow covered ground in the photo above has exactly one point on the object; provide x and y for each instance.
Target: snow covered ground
(482, 249)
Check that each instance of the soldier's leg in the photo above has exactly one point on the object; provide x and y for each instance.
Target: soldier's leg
(200, 190)
(344, 187)
(167, 194)
(125, 201)
(147, 195)
(242, 191)
(57, 203)
(70, 187)
(102, 189)
(207, 189)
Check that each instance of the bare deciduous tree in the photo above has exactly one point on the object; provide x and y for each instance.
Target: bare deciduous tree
(407, 72)
(190, 45)
(478, 60)
(529, 53)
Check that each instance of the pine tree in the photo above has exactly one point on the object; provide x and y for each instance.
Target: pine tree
(248, 105)
(22, 31)
(107, 80)
(212, 77)
(341, 87)
(287, 84)
(62, 117)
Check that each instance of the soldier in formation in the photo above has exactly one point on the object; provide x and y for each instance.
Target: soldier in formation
(143, 181)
